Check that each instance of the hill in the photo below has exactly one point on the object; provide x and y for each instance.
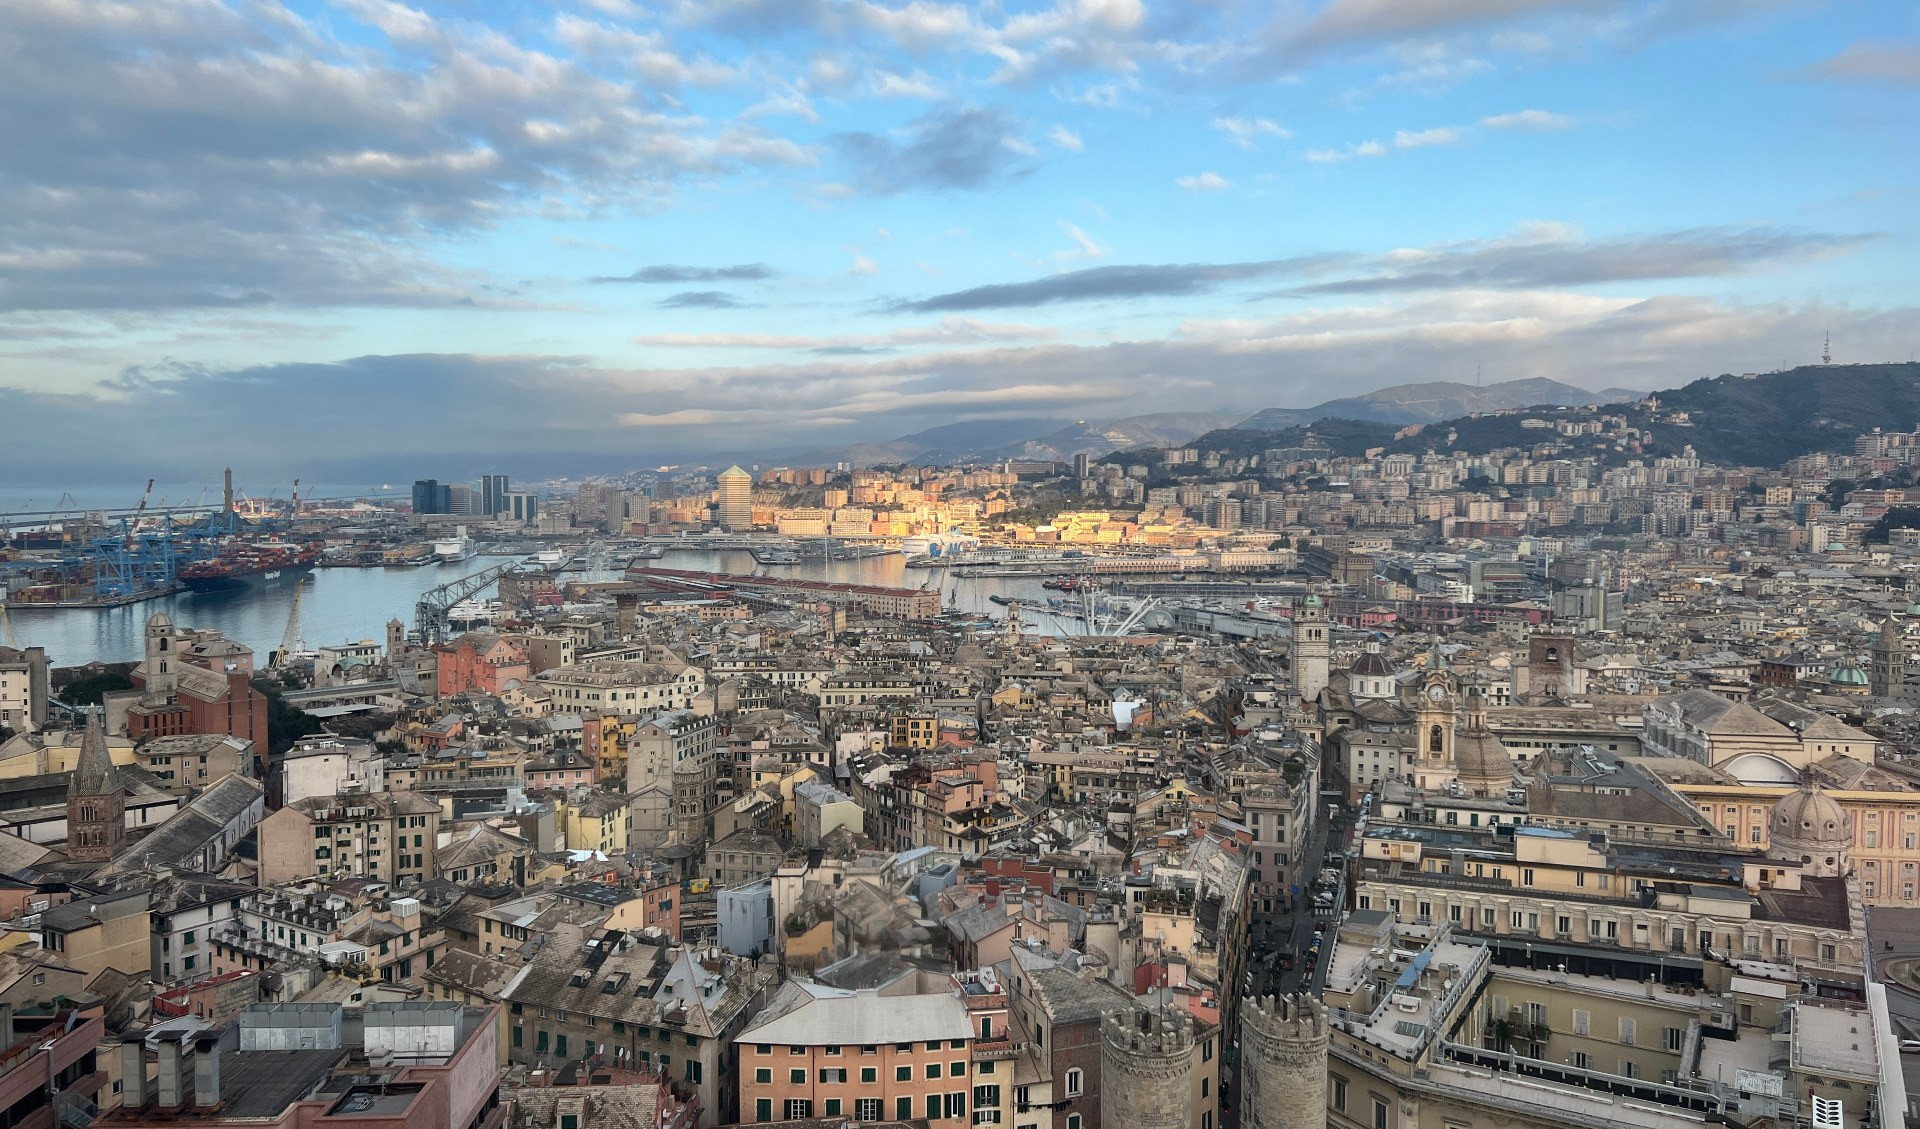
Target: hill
(1433, 401)
(1766, 419)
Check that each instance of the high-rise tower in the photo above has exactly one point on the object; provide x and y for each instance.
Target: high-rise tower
(735, 510)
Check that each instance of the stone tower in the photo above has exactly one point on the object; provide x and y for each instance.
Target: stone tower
(1433, 725)
(396, 639)
(1283, 1063)
(1307, 654)
(162, 666)
(1146, 1070)
(96, 804)
(1889, 662)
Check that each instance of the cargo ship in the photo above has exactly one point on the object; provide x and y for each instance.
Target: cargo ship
(257, 565)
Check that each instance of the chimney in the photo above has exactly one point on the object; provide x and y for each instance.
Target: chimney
(206, 1072)
(135, 1089)
(176, 1072)
(229, 490)
(6, 1025)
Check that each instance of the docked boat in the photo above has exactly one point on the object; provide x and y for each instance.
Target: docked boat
(262, 564)
(775, 556)
(455, 548)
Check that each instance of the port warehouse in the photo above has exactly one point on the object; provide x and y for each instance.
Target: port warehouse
(897, 603)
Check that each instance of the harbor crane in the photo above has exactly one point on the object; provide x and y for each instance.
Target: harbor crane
(290, 638)
(430, 613)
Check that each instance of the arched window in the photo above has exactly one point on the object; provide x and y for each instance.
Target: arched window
(1435, 742)
(1074, 1082)
(1553, 654)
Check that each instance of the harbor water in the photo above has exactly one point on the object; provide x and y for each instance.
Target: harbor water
(346, 605)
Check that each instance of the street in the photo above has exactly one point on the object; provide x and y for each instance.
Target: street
(1289, 935)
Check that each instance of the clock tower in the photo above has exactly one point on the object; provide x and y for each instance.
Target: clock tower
(1433, 729)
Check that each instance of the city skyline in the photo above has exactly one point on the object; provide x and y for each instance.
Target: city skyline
(657, 233)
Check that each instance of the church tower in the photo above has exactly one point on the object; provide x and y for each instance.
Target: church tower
(162, 666)
(1307, 654)
(1433, 727)
(96, 804)
(1889, 662)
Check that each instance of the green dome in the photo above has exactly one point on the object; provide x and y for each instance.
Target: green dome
(1846, 674)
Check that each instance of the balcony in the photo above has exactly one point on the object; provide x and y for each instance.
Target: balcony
(998, 1047)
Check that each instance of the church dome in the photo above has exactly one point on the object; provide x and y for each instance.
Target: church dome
(1913, 610)
(1809, 815)
(1372, 664)
(1846, 674)
(1482, 762)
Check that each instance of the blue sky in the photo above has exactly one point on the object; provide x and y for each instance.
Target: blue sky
(366, 230)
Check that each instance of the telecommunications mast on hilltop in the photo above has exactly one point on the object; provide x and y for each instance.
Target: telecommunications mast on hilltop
(1826, 349)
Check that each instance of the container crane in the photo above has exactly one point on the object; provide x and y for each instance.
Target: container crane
(290, 638)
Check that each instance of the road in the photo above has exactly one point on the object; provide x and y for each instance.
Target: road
(1291, 934)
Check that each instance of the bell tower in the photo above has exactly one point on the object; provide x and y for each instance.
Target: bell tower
(1433, 728)
(96, 803)
(1307, 654)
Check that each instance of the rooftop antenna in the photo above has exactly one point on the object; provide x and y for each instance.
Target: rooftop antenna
(1826, 349)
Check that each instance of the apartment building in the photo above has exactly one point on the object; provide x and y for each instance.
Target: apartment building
(388, 837)
(819, 1051)
(621, 686)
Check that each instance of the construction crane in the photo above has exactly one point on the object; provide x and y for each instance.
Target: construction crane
(430, 612)
(290, 638)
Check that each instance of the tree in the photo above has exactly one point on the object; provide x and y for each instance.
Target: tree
(285, 724)
(88, 691)
(1896, 517)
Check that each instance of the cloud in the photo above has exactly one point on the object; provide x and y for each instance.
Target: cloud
(948, 331)
(520, 414)
(1421, 139)
(1204, 182)
(1065, 138)
(1097, 283)
(861, 264)
(1529, 120)
(1247, 132)
(669, 272)
(1535, 256)
(886, 84)
(1333, 156)
(1553, 256)
(1084, 246)
(1877, 64)
(176, 154)
(701, 300)
(949, 148)
(1341, 23)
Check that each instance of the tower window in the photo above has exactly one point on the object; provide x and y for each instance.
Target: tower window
(1436, 743)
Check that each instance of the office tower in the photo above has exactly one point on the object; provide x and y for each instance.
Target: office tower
(735, 510)
(430, 497)
(461, 499)
(493, 493)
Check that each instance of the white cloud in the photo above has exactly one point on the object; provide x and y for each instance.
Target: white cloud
(1204, 182)
(1246, 132)
(1065, 138)
(861, 264)
(1529, 119)
(1363, 149)
(919, 84)
(1420, 139)
(1084, 246)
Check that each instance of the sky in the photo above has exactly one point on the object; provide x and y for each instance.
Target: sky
(368, 237)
